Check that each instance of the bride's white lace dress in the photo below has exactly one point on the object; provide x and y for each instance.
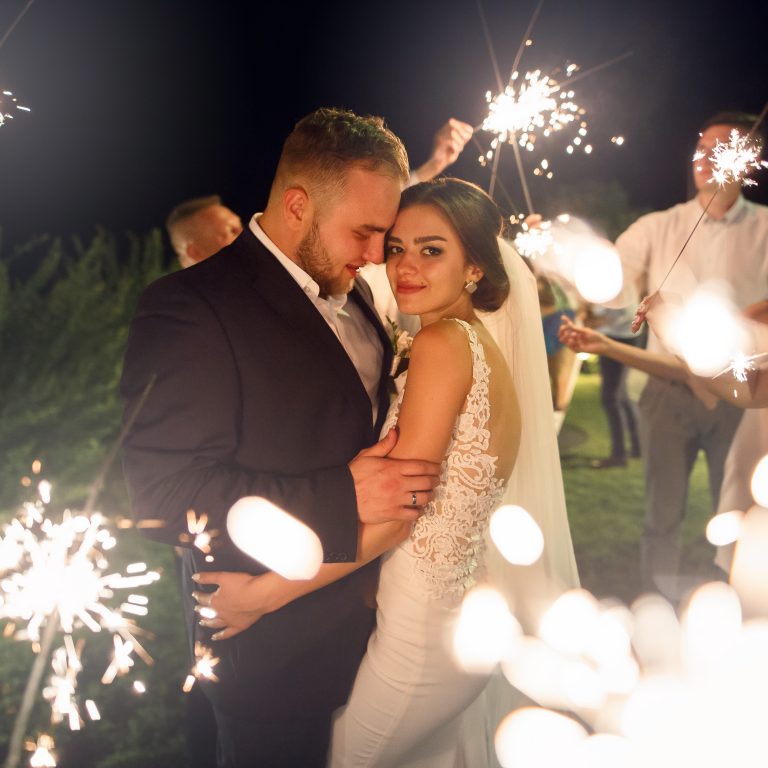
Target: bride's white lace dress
(409, 694)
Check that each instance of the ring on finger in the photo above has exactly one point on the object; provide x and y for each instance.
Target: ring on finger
(413, 498)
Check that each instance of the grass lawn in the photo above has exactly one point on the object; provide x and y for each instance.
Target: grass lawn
(605, 507)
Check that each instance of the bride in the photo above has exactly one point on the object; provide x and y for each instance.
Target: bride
(461, 405)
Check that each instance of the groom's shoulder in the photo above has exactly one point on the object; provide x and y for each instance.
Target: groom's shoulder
(221, 272)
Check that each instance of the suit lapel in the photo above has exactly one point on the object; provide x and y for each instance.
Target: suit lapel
(361, 295)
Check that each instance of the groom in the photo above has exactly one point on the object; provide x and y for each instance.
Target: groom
(271, 371)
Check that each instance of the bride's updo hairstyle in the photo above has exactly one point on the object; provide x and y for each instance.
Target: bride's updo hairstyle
(477, 222)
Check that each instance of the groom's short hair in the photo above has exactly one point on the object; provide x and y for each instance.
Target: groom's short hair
(325, 144)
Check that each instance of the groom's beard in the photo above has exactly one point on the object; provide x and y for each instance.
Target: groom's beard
(314, 259)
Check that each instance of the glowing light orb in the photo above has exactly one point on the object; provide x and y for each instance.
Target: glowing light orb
(274, 538)
(712, 623)
(597, 273)
(516, 534)
(537, 738)
(485, 631)
(570, 623)
(707, 331)
(725, 528)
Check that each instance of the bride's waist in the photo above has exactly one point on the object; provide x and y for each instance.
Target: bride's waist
(431, 571)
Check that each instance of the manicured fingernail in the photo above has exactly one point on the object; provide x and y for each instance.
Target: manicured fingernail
(216, 635)
(195, 577)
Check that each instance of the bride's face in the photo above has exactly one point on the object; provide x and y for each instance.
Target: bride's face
(426, 266)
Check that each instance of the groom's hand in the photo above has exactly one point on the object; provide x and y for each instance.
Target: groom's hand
(391, 489)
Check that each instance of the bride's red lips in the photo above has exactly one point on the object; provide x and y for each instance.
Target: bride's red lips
(405, 288)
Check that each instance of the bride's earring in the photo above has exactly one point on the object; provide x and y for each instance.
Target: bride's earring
(470, 286)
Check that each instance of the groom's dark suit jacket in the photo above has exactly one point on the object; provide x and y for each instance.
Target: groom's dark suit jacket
(256, 396)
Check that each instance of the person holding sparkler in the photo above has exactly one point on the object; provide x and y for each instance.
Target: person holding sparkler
(271, 368)
(731, 245)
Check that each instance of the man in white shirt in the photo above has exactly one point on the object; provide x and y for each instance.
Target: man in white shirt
(730, 244)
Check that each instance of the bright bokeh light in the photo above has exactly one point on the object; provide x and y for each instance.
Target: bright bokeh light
(724, 528)
(537, 738)
(485, 632)
(707, 331)
(43, 757)
(597, 272)
(759, 482)
(605, 750)
(570, 623)
(537, 670)
(652, 710)
(711, 624)
(516, 535)
(274, 538)
(656, 636)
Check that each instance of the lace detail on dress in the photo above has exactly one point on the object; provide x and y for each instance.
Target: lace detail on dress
(446, 543)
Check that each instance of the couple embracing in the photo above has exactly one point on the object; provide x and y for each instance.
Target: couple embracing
(272, 380)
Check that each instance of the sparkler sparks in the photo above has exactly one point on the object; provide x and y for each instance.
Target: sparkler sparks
(538, 106)
(58, 572)
(534, 241)
(8, 106)
(205, 662)
(733, 161)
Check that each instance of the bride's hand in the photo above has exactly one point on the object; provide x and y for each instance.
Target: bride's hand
(240, 600)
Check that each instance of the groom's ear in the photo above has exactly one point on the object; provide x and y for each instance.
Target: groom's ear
(296, 208)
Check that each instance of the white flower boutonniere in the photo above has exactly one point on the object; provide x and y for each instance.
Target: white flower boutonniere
(401, 347)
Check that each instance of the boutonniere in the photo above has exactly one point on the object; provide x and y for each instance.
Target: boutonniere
(401, 348)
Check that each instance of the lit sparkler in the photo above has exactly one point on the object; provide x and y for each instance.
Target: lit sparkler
(532, 242)
(42, 754)
(8, 106)
(197, 534)
(203, 668)
(733, 161)
(58, 572)
(537, 105)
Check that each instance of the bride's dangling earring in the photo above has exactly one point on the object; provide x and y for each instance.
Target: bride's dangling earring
(470, 287)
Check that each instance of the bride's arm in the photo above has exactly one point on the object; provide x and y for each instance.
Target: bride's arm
(439, 378)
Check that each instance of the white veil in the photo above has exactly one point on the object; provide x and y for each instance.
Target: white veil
(536, 483)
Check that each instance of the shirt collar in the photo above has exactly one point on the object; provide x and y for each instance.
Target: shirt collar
(735, 213)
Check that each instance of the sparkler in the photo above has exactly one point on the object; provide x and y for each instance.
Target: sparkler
(8, 103)
(732, 162)
(55, 575)
(532, 242)
(530, 106)
(77, 553)
(205, 662)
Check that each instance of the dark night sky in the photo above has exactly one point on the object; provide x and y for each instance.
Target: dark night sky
(138, 104)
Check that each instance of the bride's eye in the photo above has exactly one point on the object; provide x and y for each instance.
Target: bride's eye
(392, 250)
(431, 250)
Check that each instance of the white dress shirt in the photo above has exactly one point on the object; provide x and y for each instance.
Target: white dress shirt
(733, 249)
(344, 318)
